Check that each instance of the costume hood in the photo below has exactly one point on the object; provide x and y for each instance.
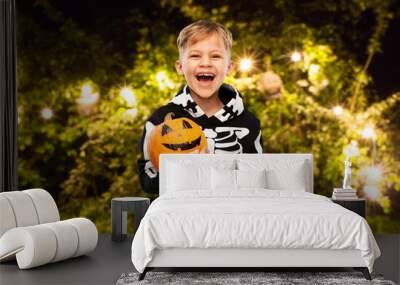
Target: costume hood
(229, 96)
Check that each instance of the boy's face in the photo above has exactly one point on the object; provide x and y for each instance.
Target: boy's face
(206, 57)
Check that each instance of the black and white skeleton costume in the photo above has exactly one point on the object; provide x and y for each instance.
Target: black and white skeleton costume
(232, 129)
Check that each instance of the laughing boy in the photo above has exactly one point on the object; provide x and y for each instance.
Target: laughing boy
(204, 61)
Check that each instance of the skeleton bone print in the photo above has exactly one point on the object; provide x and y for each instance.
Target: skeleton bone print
(225, 139)
(232, 129)
(232, 108)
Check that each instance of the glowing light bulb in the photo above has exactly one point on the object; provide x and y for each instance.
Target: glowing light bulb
(295, 56)
(131, 112)
(338, 110)
(47, 113)
(368, 132)
(245, 64)
(128, 95)
(164, 81)
(87, 96)
(373, 174)
(371, 191)
(86, 90)
(161, 76)
(88, 99)
(314, 69)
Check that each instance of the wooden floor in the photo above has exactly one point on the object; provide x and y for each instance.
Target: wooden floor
(111, 259)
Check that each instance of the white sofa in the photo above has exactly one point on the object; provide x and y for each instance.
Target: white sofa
(31, 231)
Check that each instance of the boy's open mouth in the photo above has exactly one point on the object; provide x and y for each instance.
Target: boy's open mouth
(205, 77)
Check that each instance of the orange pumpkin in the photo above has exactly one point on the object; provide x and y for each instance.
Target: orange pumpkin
(180, 135)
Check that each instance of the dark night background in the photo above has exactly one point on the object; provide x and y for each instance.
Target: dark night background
(107, 18)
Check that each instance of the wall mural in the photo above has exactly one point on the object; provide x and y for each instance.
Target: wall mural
(89, 81)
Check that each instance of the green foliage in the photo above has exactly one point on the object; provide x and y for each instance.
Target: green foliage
(85, 158)
(383, 224)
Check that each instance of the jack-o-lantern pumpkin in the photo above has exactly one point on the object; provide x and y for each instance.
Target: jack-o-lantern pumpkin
(180, 135)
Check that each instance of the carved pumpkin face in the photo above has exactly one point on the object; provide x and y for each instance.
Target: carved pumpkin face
(180, 135)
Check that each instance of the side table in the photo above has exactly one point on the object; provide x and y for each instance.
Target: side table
(119, 208)
(356, 205)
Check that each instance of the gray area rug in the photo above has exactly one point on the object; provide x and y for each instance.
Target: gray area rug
(229, 278)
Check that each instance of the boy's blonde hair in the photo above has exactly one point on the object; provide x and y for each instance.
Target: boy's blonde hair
(199, 30)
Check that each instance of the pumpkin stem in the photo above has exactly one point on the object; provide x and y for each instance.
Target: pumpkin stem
(168, 116)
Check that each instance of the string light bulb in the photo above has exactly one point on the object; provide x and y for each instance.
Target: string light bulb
(161, 76)
(47, 113)
(295, 56)
(86, 89)
(87, 101)
(128, 95)
(245, 64)
(163, 81)
(373, 174)
(131, 113)
(368, 132)
(371, 191)
(338, 110)
(314, 70)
